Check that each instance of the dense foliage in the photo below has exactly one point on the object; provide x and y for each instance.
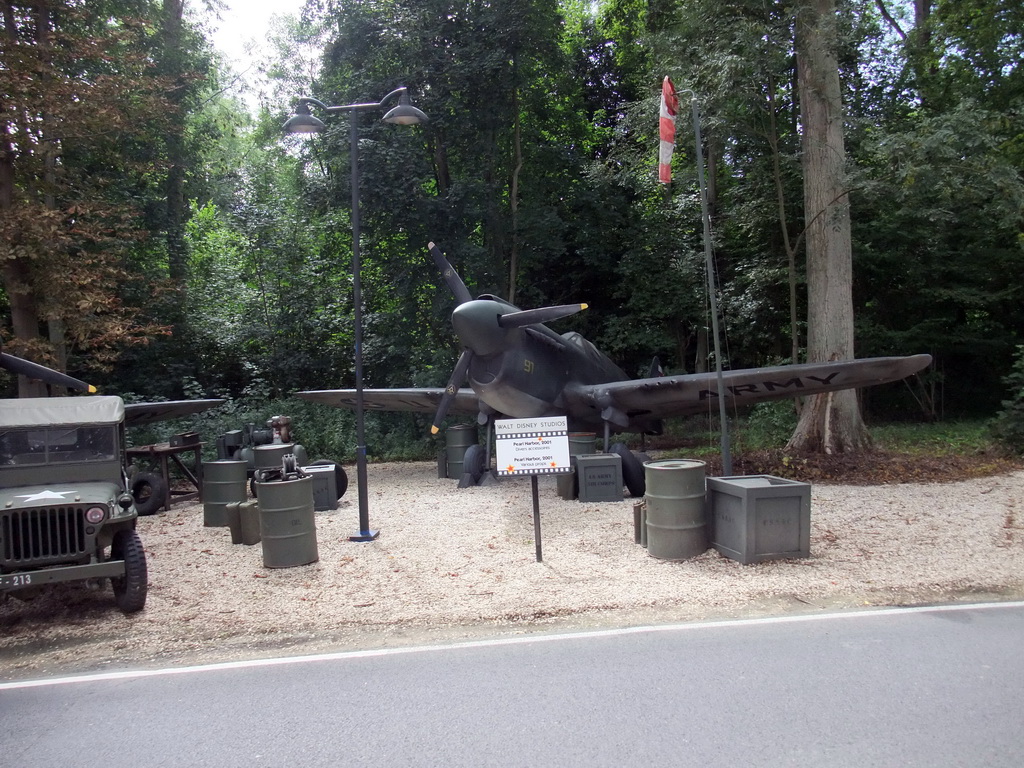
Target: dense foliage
(1009, 424)
(536, 174)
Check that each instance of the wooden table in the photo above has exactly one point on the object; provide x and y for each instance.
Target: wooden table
(162, 453)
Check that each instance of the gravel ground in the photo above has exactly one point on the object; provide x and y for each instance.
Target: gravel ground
(459, 564)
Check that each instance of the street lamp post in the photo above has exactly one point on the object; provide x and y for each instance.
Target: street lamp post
(304, 122)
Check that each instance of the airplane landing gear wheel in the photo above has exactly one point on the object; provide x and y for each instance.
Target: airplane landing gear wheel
(632, 470)
(472, 465)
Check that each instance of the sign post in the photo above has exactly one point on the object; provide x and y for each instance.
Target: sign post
(533, 447)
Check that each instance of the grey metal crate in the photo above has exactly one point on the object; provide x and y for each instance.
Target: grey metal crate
(755, 518)
(600, 477)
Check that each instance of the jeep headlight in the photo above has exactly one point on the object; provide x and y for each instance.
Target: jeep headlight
(95, 515)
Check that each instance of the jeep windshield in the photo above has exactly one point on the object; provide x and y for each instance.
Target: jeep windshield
(44, 441)
(58, 445)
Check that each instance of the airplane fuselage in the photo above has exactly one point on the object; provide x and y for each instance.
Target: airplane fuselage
(525, 371)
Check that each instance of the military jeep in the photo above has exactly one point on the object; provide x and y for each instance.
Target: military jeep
(65, 511)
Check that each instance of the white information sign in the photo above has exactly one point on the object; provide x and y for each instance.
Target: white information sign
(532, 446)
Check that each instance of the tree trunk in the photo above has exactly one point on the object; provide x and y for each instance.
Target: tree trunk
(517, 167)
(829, 423)
(55, 321)
(15, 272)
(700, 362)
(780, 203)
(177, 261)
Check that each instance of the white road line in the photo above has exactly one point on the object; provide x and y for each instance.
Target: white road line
(538, 638)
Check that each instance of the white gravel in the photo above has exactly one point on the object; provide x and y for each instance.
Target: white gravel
(452, 564)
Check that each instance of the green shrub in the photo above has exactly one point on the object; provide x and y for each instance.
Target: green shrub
(769, 425)
(1008, 428)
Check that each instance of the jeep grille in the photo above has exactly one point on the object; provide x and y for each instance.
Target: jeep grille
(41, 536)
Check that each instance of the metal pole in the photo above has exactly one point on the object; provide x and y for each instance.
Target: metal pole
(303, 122)
(364, 534)
(536, 516)
(709, 259)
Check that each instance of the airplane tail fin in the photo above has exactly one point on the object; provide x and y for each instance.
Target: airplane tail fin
(656, 369)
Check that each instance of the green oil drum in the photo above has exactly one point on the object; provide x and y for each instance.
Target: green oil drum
(457, 440)
(287, 524)
(223, 483)
(580, 444)
(270, 456)
(676, 523)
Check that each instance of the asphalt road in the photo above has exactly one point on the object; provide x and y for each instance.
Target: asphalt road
(928, 687)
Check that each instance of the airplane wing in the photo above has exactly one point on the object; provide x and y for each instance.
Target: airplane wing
(668, 396)
(418, 400)
(137, 414)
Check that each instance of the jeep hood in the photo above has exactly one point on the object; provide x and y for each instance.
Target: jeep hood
(58, 494)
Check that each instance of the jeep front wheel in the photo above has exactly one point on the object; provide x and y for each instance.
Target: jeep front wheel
(130, 589)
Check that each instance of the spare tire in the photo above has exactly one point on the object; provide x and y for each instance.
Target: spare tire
(149, 491)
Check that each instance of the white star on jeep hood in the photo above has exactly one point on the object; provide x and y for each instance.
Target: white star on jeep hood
(46, 496)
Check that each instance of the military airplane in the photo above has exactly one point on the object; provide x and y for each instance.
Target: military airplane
(517, 367)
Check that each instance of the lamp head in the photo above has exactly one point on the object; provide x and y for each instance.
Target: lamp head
(405, 113)
(302, 121)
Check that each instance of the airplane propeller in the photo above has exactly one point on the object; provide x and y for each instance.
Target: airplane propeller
(481, 325)
(451, 277)
(542, 315)
(27, 368)
(458, 376)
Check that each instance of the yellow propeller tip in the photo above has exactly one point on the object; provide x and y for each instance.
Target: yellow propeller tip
(92, 390)
(584, 306)
(434, 430)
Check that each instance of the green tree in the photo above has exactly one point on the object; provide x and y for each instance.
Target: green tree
(79, 106)
(942, 200)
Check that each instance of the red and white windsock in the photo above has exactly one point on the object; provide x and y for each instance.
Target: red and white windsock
(667, 120)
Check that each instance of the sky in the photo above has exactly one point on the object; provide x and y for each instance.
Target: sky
(246, 20)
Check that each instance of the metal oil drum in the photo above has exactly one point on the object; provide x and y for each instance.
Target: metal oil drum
(580, 444)
(270, 456)
(457, 440)
(287, 524)
(223, 483)
(674, 500)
